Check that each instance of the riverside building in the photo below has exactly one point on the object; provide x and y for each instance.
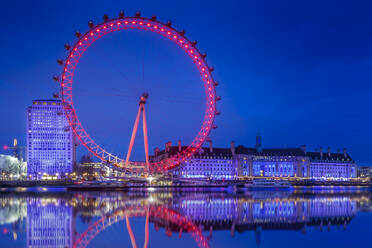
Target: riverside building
(241, 162)
(50, 141)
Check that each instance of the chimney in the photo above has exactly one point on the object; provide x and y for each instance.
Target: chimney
(156, 151)
(329, 151)
(321, 151)
(179, 146)
(345, 153)
(303, 147)
(232, 147)
(168, 146)
(211, 146)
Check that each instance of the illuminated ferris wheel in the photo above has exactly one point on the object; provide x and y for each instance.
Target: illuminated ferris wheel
(137, 22)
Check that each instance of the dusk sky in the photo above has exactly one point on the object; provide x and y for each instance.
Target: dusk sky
(299, 72)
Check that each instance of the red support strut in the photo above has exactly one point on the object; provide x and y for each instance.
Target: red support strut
(141, 109)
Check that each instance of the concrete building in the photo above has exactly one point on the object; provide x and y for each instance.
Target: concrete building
(365, 171)
(334, 166)
(50, 141)
(244, 163)
(208, 163)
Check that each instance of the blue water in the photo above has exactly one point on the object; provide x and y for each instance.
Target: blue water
(315, 217)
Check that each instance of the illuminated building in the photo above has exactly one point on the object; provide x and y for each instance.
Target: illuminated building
(50, 142)
(287, 162)
(243, 163)
(49, 224)
(365, 171)
(334, 166)
(208, 163)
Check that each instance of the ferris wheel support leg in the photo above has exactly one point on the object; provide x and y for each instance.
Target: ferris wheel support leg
(145, 137)
(147, 230)
(133, 134)
(131, 235)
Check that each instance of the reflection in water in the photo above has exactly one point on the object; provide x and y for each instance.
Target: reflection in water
(49, 223)
(49, 219)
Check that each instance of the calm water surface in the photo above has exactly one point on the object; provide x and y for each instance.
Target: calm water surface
(158, 218)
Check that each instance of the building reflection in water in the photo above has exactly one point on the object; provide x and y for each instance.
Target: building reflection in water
(49, 223)
(51, 218)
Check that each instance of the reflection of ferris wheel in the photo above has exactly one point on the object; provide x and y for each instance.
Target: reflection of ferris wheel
(146, 24)
(156, 212)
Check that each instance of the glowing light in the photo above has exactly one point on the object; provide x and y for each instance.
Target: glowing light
(172, 35)
(150, 179)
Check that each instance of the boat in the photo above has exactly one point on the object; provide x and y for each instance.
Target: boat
(269, 183)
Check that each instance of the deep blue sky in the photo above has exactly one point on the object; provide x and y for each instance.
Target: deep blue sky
(300, 72)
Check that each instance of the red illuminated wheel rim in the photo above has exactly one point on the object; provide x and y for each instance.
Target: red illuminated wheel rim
(152, 25)
(156, 212)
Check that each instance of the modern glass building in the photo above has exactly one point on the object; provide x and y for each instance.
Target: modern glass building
(50, 141)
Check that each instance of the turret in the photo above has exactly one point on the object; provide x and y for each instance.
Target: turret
(258, 142)
(303, 147)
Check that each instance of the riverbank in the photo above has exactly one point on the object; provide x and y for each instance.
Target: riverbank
(71, 185)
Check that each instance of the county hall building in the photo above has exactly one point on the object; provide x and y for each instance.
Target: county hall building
(241, 162)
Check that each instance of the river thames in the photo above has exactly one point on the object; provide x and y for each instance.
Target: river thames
(316, 217)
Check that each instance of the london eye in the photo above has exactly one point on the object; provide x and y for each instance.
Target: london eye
(137, 22)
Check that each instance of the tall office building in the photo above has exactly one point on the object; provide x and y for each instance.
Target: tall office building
(50, 141)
